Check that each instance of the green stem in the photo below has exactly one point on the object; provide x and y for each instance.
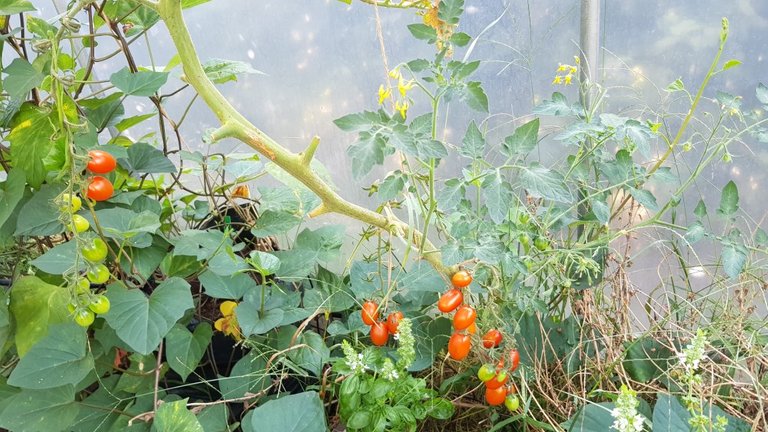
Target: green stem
(237, 126)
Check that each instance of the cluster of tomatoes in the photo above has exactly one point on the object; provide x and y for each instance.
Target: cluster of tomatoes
(498, 389)
(85, 303)
(380, 330)
(463, 320)
(99, 187)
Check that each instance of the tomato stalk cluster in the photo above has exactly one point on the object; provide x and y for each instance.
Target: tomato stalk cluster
(85, 304)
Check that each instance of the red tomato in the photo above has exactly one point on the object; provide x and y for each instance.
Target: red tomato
(514, 358)
(393, 321)
(100, 162)
(492, 338)
(461, 278)
(498, 380)
(458, 346)
(464, 317)
(370, 312)
(379, 334)
(100, 189)
(450, 300)
(495, 396)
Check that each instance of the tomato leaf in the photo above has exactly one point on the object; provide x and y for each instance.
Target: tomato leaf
(473, 144)
(523, 140)
(499, 196)
(450, 11)
(544, 183)
(475, 97)
(423, 32)
(141, 321)
(729, 200)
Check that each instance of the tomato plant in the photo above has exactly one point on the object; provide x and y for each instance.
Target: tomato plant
(226, 295)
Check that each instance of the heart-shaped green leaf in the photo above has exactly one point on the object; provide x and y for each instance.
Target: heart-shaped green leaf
(141, 321)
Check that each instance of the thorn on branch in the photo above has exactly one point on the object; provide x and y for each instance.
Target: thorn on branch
(319, 210)
(307, 155)
(226, 130)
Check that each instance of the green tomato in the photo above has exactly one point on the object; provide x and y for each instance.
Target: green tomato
(524, 240)
(84, 317)
(512, 402)
(83, 286)
(99, 305)
(541, 243)
(96, 251)
(80, 224)
(71, 307)
(70, 203)
(486, 372)
(98, 274)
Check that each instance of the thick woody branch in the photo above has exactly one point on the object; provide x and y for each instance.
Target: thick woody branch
(297, 165)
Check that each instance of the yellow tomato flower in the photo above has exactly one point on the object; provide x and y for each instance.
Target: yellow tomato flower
(384, 94)
(562, 67)
(395, 73)
(401, 107)
(228, 323)
(403, 86)
(558, 80)
(568, 79)
(572, 69)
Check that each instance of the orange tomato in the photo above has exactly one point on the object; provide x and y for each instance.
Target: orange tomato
(458, 346)
(492, 338)
(495, 396)
(514, 358)
(379, 334)
(464, 317)
(393, 321)
(370, 312)
(450, 300)
(461, 278)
